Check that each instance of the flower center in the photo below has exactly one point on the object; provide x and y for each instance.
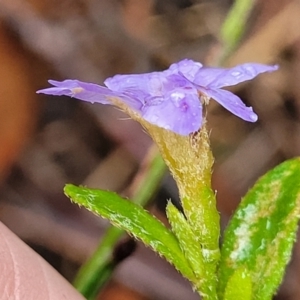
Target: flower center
(204, 99)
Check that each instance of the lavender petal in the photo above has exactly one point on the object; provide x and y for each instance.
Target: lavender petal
(218, 77)
(232, 103)
(186, 67)
(181, 113)
(89, 92)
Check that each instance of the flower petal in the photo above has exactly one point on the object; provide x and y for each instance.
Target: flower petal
(180, 112)
(217, 77)
(186, 67)
(153, 84)
(168, 99)
(89, 92)
(232, 103)
(139, 86)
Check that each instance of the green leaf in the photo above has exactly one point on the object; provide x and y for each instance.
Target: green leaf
(206, 280)
(262, 231)
(94, 274)
(135, 220)
(239, 285)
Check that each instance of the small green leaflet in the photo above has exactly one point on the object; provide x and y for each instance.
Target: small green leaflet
(262, 232)
(135, 220)
(204, 271)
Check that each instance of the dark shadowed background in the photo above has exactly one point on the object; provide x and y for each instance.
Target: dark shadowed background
(49, 141)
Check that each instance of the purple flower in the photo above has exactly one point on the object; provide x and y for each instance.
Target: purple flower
(171, 99)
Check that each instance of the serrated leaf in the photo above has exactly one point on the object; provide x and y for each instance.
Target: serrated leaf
(261, 234)
(135, 220)
(206, 280)
(239, 285)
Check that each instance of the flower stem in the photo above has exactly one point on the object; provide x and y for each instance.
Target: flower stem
(234, 26)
